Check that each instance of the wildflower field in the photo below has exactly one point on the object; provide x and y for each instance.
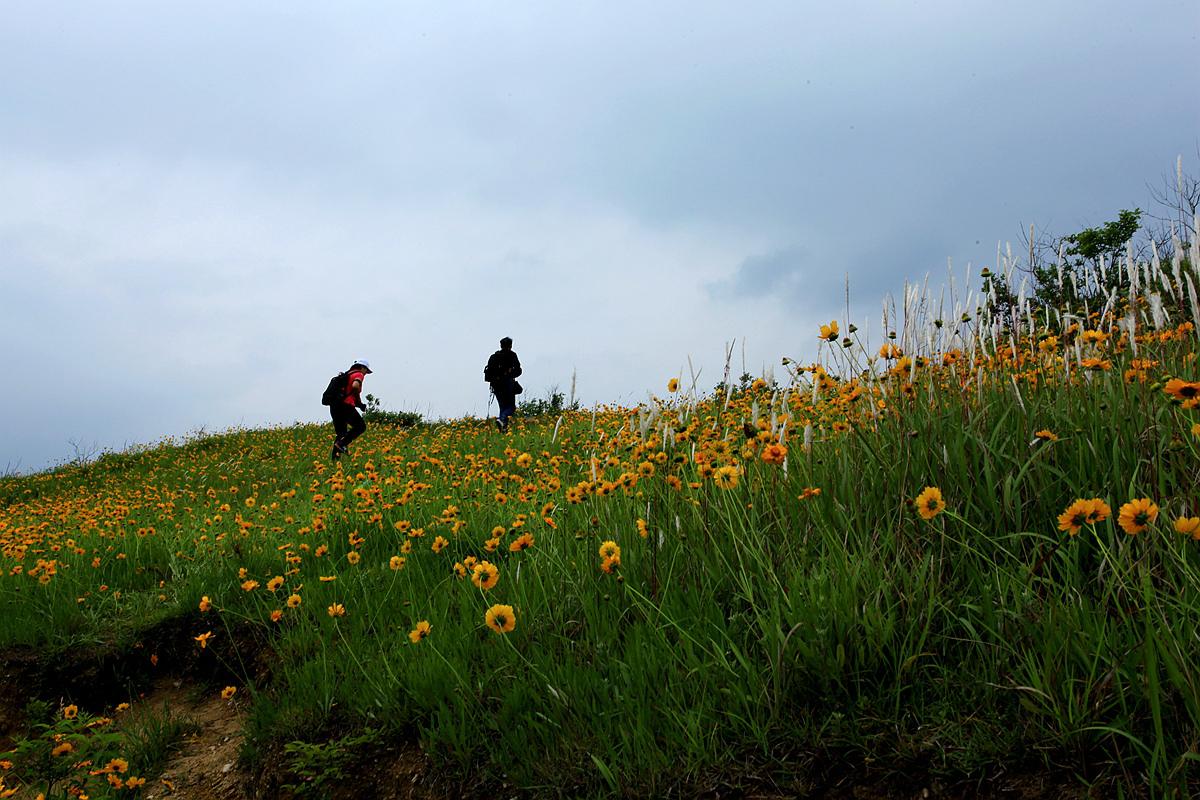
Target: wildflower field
(965, 549)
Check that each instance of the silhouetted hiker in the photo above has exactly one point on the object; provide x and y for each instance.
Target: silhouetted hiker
(343, 396)
(502, 371)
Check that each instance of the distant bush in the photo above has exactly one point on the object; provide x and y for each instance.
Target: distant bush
(555, 402)
(376, 414)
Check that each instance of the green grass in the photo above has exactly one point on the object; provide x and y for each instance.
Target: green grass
(752, 630)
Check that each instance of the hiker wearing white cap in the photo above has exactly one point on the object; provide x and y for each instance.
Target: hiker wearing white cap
(347, 422)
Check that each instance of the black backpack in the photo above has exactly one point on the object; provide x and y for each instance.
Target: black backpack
(335, 392)
(489, 372)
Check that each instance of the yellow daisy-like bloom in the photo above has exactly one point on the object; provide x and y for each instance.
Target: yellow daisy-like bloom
(228, 692)
(396, 562)
(524, 460)
(501, 498)
(337, 610)
(293, 601)
(809, 493)
(275, 583)
(203, 639)
(250, 585)
(523, 543)
(276, 615)
(774, 454)
(1136, 515)
(1046, 435)
(70, 712)
(930, 502)
(460, 570)
(610, 549)
(1092, 337)
(485, 575)
(250, 501)
(829, 332)
(726, 477)
(1099, 511)
(500, 618)
(133, 782)
(420, 632)
(438, 544)
(1188, 525)
(406, 548)
(673, 385)
(1075, 517)
(1182, 390)
(62, 749)
(611, 564)
(327, 578)
(205, 603)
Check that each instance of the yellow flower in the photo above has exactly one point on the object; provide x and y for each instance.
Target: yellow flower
(1188, 525)
(523, 543)
(1182, 390)
(293, 601)
(70, 712)
(275, 583)
(1075, 517)
(809, 493)
(65, 747)
(1136, 515)
(337, 610)
(228, 692)
(726, 477)
(438, 544)
(610, 549)
(205, 603)
(276, 615)
(774, 454)
(396, 562)
(485, 575)
(352, 556)
(930, 502)
(420, 632)
(500, 618)
(1046, 435)
(203, 639)
(673, 385)
(829, 332)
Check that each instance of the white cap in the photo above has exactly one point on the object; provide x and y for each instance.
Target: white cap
(366, 365)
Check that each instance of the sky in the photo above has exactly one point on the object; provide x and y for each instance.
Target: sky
(207, 209)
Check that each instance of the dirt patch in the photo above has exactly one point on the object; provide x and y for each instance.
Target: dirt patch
(205, 765)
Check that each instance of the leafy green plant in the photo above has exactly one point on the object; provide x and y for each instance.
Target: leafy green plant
(320, 763)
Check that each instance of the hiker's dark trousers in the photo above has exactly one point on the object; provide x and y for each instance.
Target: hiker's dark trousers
(347, 422)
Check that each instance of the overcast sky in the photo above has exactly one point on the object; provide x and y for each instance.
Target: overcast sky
(209, 208)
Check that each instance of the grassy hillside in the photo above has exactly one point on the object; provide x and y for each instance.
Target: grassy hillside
(971, 549)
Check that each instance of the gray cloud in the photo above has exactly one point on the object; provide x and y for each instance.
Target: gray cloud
(194, 191)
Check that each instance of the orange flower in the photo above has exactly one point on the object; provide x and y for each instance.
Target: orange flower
(438, 544)
(293, 601)
(523, 543)
(337, 610)
(829, 332)
(774, 454)
(205, 603)
(500, 618)
(275, 583)
(250, 586)
(1075, 517)
(396, 562)
(1188, 525)
(276, 615)
(228, 692)
(1136, 515)
(930, 502)
(1182, 390)
(485, 575)
(203, 639)
(1046, 436)
(420, 632)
